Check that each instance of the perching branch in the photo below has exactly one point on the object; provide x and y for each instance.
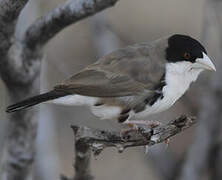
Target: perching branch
(82, 158)
(97, 140)
(100, 139)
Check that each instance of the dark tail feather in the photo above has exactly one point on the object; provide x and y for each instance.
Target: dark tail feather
(35, 100)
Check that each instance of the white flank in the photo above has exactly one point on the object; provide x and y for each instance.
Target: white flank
(75, 100)
(106, 112)
(103, 111)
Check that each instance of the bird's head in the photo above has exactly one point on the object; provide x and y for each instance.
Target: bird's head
(188, 52)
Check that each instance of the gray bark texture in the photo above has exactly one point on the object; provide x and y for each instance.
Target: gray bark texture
(82, 156)
(88, 139)
(98, 140)
(20, 60)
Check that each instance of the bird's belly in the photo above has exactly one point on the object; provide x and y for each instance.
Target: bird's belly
(106, 112)
(75, 100)
(171, 94)
(102, 111)
(159, 106)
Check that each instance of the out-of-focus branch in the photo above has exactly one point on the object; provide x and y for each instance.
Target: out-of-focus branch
(200, 152)
(9, 12)
(73, 11)
(98, 140)
(216, 161)
(19, 147)
(20, 60)
(104, 39)
(25, 68)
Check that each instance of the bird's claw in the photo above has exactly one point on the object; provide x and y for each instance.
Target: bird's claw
(123, 132)
(167, 142)
(146, 149)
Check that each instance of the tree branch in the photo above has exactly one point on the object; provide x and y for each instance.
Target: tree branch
(87, 139)
(73, 11)
(9, 12)
(28, 49)
(100, 139)
(20, 60)
(82, 158)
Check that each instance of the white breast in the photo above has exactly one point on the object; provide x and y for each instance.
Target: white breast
(178, 78)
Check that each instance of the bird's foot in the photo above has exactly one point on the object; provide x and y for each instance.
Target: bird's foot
(134, 126)
(167, 142)
(124, 132)
(146, 149)
(150, 124)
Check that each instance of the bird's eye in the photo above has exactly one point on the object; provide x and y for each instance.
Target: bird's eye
(187, 55)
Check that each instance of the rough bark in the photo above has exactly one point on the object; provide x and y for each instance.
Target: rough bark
(20, 60)
(87, 139)
(72, 11)
(82, 158)
(98, 140)
(19, 146)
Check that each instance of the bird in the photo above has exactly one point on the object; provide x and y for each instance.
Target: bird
(131, 83)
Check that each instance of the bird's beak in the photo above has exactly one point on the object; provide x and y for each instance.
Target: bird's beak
(204, 63)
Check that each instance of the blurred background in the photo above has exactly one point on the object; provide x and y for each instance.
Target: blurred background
(128, 22)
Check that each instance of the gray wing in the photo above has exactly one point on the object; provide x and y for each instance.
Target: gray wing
(124, 72)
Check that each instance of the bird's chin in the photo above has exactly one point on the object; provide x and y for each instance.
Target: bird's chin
(194, 73)
(197, 70)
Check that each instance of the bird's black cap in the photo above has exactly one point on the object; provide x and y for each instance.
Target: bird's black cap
(184, 48)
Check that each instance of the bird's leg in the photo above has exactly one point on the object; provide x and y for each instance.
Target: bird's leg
(167, 142)
(150, 124)
(133, 124)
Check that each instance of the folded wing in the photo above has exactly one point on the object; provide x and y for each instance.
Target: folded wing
(126, 72)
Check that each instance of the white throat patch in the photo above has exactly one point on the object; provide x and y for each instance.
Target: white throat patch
(178, 78)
